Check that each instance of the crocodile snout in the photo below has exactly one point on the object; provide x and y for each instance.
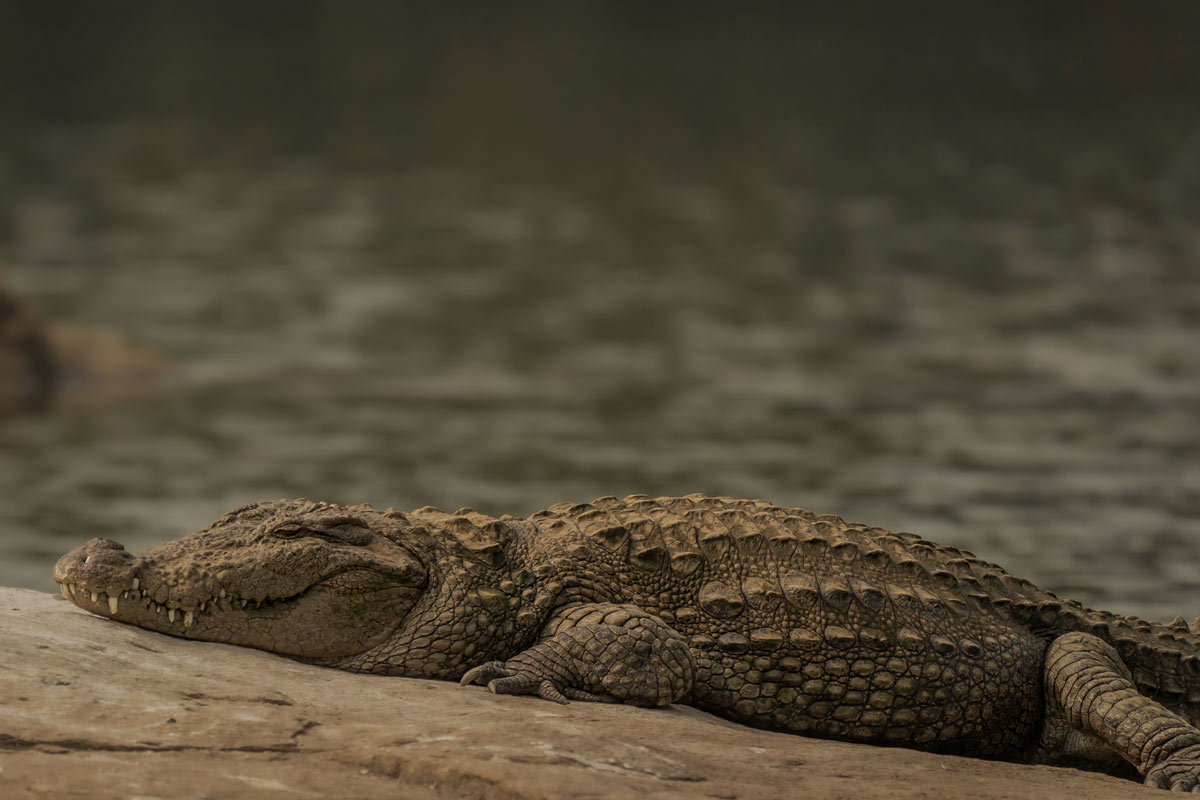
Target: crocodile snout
(101, 566)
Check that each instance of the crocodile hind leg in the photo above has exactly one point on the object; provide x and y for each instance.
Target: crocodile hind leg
(1093, 706)
(600, 652)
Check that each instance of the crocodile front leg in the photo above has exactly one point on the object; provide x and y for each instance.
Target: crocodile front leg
(600, 652)
(1092, 704)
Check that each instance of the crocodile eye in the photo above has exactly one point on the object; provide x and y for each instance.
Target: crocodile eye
(289, 530)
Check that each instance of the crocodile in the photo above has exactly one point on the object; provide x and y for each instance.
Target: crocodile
(773, 617)
(28, 371)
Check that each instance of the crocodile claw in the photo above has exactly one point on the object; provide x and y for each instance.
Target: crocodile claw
(484, 673)
(501, 680)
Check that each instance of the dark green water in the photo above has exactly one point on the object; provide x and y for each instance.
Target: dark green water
(942, 279)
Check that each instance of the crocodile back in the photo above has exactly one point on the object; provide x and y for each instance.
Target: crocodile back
(807, 623)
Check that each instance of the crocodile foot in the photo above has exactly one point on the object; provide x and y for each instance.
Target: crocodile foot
(602, 653)
(1179, 772)
(500, 679)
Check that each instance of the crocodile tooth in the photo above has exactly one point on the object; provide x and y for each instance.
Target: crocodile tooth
(222, 594)
(244, 602)
(112, 604)
(95, 597)
(62, 587)
(203, 604)
(135, 585)
(170, 615)
(187, 619)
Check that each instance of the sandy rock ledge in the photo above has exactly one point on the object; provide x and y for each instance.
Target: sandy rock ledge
(94, 709)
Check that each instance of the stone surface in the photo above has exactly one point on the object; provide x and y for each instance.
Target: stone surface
(90, 708)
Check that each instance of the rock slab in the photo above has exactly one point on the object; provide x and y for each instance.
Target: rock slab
(90, 708)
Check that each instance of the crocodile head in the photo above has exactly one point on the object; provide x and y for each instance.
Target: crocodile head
(309, 580)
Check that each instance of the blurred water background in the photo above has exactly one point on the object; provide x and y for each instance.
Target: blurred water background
(929, 266)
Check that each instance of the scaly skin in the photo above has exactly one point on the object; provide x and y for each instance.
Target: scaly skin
(773, 617)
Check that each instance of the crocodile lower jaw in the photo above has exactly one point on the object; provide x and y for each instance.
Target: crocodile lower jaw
(313, 623)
